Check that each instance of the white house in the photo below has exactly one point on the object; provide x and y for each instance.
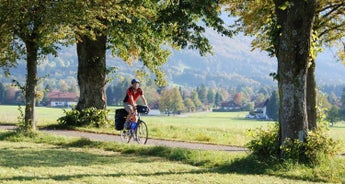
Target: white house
(260, 110)
(62, 99)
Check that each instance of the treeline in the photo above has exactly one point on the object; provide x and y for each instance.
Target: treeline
(11, 94)
(188, 99)
(335, 107)
(180, 99)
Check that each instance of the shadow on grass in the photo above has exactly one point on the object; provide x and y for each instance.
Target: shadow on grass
(26, 155)
(82, 142)
(29, 155)
(7, 124)
(57, 127)
(246, 165)
(250, 165)
(53, 157)
(6, 135)
(74, 177)
(16, 157)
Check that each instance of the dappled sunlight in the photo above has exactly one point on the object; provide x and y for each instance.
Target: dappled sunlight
(87, 161)
(54, 163)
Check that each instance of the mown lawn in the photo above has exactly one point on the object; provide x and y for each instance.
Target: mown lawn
(45, 158)
(53, 159)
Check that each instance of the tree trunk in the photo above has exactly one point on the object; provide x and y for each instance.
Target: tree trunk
(292, 49)
(311, 97)
(92, 72)
(31, 83)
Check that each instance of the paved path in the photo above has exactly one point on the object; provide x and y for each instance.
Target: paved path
(152, 142)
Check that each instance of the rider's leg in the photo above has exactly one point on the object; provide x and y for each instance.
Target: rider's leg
(129, 108)
(132, 120)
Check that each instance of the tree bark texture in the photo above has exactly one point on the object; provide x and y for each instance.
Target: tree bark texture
(92, 72)
(31, 83)
(292, 47)
(311, 97)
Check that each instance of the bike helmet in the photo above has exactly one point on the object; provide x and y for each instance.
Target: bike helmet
(135, 81)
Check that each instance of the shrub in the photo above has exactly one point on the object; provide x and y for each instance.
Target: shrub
(265, 142)
(318, 146)
(87, 117)
(266, 145)
(22, 125)
(293, 150)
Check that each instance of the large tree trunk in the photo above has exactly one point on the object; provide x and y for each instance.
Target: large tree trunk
(292, 47)
(92, 72)
(311, 97)
(31, 83)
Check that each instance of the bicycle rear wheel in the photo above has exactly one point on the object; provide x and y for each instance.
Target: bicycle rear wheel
(141, 133)
(125, 135)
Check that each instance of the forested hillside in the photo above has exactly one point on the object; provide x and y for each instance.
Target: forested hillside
(233, 64)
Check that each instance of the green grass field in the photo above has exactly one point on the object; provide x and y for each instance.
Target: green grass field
(55, 159)
(229, 128)
(44, 116)
(215, 128)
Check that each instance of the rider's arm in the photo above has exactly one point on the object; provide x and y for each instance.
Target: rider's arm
(144, 99)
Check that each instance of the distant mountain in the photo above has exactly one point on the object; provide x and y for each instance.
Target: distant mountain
(233, 64)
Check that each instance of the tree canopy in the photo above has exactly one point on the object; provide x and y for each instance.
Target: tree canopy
(30, 30)
(133, 30)
(259, 19)
(143, 31)
(293, 31)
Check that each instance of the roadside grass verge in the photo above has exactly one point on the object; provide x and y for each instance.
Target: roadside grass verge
(41, 157)
(214, 128)
(229, 128)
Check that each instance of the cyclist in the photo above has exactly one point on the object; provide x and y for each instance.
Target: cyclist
(132, 95)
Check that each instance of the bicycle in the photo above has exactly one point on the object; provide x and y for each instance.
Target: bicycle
(140, 132)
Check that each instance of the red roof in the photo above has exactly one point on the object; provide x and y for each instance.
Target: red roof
(62, 95)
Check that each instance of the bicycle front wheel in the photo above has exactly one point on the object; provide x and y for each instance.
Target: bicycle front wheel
(125, 135)
(142, 132)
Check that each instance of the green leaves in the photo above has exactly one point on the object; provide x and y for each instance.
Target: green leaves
(88, 117)
(285, 5)
(32, 21)
(191, 18)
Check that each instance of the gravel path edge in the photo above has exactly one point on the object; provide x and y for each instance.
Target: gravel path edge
(151, 142)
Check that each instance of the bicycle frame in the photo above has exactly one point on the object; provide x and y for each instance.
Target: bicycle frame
(139, 134)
